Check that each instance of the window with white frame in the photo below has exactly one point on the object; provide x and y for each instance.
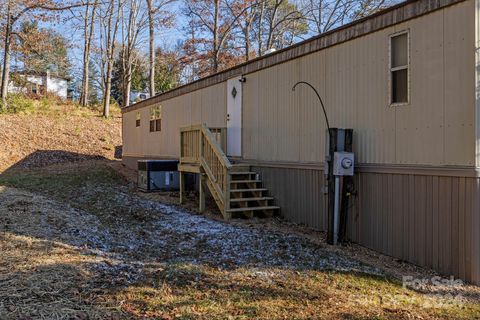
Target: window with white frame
(137, 119)
(156, 118)
(399, 68)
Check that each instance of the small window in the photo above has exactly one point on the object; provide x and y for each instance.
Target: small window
(156, 118)
(137, 120)
(399, 69)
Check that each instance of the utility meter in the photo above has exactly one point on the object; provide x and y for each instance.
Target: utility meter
(343, 164)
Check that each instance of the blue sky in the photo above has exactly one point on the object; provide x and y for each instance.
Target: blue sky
(164, 37)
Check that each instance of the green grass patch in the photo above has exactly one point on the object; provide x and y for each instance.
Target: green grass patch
(200, 292)
(18, 103)
(89, 186)
(62, 182)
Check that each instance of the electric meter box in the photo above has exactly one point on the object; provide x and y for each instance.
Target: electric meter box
(343, 164)
(158, 175)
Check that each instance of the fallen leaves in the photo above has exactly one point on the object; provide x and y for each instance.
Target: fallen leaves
(32, 141)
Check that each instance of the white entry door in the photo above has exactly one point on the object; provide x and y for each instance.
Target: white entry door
(234, 117)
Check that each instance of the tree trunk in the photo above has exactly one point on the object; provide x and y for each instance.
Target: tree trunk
(6, 60)
(260, 29)
(111, 32)
(86, 55)
(151, 26)
(216, 49)
(128, 87)
(84, 93)
(108, 89)
(247, 41)
(271, 27)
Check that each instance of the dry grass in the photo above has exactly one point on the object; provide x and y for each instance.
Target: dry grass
(78, 242)
(60, 134)
(84, 245)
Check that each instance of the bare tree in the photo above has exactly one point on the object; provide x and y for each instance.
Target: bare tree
(15, 10)
(109, 22)
(324, 15)
(247, 11)
(278, 25)
(157, 17)
(89, 26)
(133, 21)
(217, 19)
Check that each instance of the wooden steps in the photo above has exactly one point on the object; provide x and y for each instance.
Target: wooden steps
(250, 211)
(244, 181)
(248, 190)
(236, 189)
(242, 173)
(247, 195)
(251, 199)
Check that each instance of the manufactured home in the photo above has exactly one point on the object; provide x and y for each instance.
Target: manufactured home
(405, 80)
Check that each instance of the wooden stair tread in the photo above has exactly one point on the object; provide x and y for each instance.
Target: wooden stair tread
(245, 181)
(242, 172)
(253, 209)
(246, 190)
(251, 199)
(190, 167)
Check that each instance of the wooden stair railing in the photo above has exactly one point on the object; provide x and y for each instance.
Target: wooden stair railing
(235, 189)
(202, 148)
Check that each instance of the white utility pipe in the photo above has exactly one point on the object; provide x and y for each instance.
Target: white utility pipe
(336, 211)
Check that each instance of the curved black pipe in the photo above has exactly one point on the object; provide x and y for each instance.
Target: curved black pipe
(319, 98)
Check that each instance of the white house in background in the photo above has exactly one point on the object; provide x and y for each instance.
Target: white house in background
(39, 83)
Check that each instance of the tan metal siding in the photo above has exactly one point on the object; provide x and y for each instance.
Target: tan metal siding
(429, 220)
(203, 106)
(436, 128)
(432, 221)
(459, 74)
(299, 194)
(132, 134)
(477, 80)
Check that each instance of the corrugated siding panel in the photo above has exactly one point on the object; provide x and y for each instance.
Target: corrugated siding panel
(299, 194)
(353, 80)
(460, 121)
(477, 80)
(475, 235)
(421, 123)
(432, 221)
(207, 105)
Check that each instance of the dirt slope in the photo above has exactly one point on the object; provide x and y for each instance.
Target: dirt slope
(80, 243)
(36, 140)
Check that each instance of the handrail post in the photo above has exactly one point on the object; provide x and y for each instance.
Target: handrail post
(226, 194)
(182, 141)
(208, 151)
(223, 137)
(201, 154)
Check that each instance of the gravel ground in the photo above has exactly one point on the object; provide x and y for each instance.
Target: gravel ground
(164, 233)
(82, 244)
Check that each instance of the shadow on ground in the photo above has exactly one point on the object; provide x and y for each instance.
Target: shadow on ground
(78, 242)
(44, 158)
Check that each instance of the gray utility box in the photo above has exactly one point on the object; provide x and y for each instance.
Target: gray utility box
(343, 164)
(158, 175)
